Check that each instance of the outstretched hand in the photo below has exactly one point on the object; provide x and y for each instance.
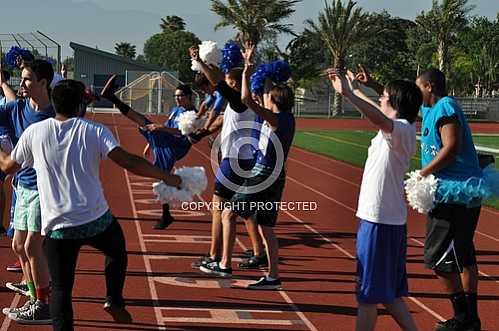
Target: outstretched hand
(174, 180)
(153, 127)
(338, 80)
(363, 75)
(249, 51)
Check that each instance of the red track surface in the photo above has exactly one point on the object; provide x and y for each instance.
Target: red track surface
(317, 257)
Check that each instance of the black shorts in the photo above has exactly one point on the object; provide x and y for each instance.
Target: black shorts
(449, 237)
(262, 205)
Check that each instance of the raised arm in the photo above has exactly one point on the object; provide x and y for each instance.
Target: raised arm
(372, 112)
(246, 96)
(213, 74)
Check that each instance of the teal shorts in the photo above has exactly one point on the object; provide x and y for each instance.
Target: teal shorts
(27, 214)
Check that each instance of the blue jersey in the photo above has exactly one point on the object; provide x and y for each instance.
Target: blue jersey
(466, 163)
(180, 143)
(273, 146)
(17, 116)
(214, 101)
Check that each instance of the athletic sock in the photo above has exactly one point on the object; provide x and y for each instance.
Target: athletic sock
(270, 279)
(31, 289)
(471, 298)
(43, 294)
(166, 211)
(460, 306)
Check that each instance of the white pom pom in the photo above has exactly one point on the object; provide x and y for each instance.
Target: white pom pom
(188, 122)
(209, 53)
(194, 182)
(421, 191)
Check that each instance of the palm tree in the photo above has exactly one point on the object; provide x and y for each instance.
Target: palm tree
(172, 23)
(254, 19)
(125, 49)
(442, 23)
(340, 27)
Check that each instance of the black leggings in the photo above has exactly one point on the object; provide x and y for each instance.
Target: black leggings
(62, 255)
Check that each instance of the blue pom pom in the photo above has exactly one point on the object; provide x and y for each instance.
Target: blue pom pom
(258, 78)
(231, 57)
(280, 71)
(14, 52)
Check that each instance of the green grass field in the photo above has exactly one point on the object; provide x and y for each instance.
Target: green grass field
(351, 147)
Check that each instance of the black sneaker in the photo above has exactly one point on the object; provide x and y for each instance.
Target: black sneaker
(454, 324)
(254, 262)
(37, 313)
(215, 269)
(117, 312)
(264, 284)
(163, 223)
(16, 310)
(203, 261)
(20, 288)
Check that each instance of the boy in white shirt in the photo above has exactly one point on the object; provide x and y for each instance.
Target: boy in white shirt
(66, 152)
(382, 233)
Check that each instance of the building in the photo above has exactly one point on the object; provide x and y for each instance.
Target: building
(93, 67)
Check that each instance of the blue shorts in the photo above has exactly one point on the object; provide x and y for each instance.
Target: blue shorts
(381, 257)
(226, 178)
(167, 148)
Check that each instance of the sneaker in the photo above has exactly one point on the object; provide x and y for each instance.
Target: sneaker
(15, 267)
(36, 313)
(254, 262)
(16, 310)
(203, 261)
(108, 90)
(20, 288)
(264, 284)
(163, 223)
(215, 269)
(117, 312)
(454, 324)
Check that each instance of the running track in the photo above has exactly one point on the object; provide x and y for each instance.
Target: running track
(317, 257)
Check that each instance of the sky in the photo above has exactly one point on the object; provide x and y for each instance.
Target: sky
(103, 23)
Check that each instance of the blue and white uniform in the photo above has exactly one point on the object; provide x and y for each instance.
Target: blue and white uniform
(168, 148)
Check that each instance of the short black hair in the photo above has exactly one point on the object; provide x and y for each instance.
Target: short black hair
(67, 97)
(186, 89)
(436, 78)
(406, 98)
(43, 70)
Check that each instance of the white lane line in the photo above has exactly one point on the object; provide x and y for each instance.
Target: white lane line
(486, 209)
(310, 228)
(283, 293)
(6, 320)
(147, 264)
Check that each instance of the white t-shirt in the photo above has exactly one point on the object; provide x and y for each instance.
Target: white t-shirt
(236, 134)
(66, 156)
(382, 197)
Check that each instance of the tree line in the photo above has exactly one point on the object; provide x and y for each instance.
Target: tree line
(343, 35)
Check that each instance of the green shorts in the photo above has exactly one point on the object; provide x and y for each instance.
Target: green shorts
(27, 214)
